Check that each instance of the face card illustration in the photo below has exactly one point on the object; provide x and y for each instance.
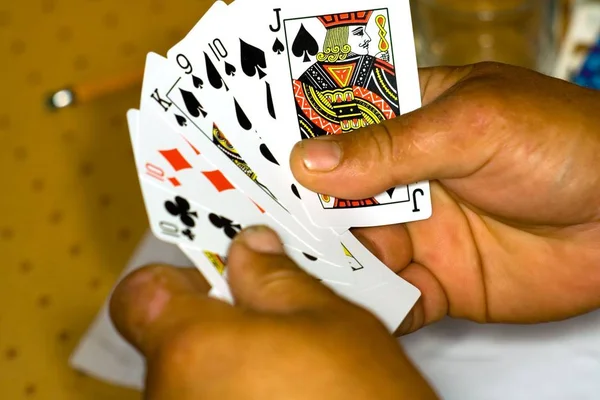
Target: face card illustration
(348, 67)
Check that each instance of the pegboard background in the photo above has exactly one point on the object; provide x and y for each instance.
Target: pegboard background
(70, 207)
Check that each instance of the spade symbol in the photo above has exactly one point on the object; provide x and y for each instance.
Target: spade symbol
(181, 120)
(241, 117)
(213, 75)
(252, 60)
(295, 191)
(311, 258)
(192, 104)
(198, 83)
(229, 69)
(390, 192)
(264, 150)
(304, 44)
(278, 46)
(181, 208)
(270, 106)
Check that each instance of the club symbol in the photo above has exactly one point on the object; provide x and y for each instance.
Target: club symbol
(188, 234)
(181, 208)
(229, 228)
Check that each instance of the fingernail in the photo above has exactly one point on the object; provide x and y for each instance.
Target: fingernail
(320, 155)
(261, 239)
(144, 295)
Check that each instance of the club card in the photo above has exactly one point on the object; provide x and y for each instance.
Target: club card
(159, 94)
(181, 221)
(209, 188)
(177, 220)
(335, 67)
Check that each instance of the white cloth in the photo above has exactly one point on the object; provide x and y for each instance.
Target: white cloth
(102, 352)
(462, 360)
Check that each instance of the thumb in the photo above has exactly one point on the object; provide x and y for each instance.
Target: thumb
(154, 302)
(438, 141)
(263, 278)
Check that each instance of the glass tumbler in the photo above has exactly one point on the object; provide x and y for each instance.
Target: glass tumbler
(458, 32)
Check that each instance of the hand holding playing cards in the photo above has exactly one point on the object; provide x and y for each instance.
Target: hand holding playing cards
(289, 337)
(514, 158)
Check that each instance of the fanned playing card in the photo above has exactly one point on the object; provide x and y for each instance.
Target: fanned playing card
(212, 60)
(220, 114)
(163, 92)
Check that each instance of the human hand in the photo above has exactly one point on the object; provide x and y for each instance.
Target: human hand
(514, 160)
(288, 337)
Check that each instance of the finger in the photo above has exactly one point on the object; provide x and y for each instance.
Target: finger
(391, 244)
(444, 139)
(263, 278)
(435, 81)
(148, 303)
(433, 304)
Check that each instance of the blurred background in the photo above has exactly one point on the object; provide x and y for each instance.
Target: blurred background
(71, 212)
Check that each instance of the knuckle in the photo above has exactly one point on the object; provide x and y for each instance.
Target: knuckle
(179, 348)
(142, 280)
(397, 140)
(488, 66)
(381, 142)
(278, 283)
